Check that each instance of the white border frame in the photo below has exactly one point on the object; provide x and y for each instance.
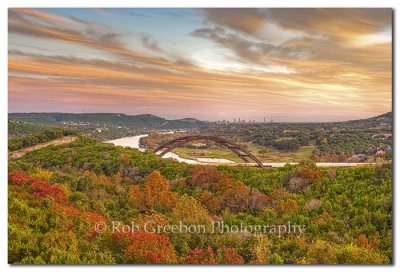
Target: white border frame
(5, 4)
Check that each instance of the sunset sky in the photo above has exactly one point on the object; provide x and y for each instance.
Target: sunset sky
(210, 64)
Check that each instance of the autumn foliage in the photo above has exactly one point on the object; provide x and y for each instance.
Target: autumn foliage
(201, 256)
(56, 201)
(73, 213)
(43, 189)
(211, 202)
(209, 178)
(286, 206)
(19, 177)
(155, 194)
(150, 248)
(224, 255)
(189, 211)
(241, 198)
(309, 174)
(38, 187)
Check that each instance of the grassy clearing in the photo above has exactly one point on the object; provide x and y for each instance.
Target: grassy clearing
(265, 154)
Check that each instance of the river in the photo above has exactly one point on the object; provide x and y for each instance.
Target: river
(133, 141)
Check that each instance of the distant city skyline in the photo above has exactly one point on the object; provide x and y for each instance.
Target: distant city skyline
(295, 65)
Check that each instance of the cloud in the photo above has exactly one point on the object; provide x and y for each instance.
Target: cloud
(250, 50)
(39, 24)
(244, 20)
(150, 43)
(274, 60)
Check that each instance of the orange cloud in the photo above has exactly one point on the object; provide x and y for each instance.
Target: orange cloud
(331, 69)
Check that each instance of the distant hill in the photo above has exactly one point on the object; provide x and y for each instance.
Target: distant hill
(383, 120)
(106, 120)
(386, 117)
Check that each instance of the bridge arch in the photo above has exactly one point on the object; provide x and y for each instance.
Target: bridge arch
(241, 152)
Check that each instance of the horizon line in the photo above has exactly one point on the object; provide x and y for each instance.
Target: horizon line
(256, 122)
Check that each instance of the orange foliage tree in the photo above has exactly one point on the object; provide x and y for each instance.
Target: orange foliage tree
(309, 174)
(286, 206)
(228, 255)
(241, 198)
(209, 178)
(211, 202)
(155, 194)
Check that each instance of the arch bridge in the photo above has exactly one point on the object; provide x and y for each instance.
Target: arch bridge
(240, 151)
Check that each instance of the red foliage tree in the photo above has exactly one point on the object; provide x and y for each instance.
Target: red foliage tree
(201, 256)
(19, 177)
(43, 189)
(150, 248)
(227, 255)
(209, 178)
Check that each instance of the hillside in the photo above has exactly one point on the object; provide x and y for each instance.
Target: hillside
(382, 121)
(59, 194)
(118, 119)
(106, 125)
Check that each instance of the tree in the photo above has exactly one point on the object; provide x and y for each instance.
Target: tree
(42, 189)
(309, 174)
(59, 247)
(228, 255)
(261, 250)
(286, 206)
(201, 256)
(150, 248)
(321, 252)
(19, 177)
(155, 194)
(352, 254)
(241, 198)
(237, 198)
(189, 211)
(211, 202)
(224, 255)
(209, 178)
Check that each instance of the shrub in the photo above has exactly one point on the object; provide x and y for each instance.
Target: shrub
(313, 204)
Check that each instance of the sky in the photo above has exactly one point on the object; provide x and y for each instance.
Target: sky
(210, 64)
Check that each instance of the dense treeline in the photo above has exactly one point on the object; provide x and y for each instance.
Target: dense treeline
(336, 141)
(18, 128)
(58, 194)
(37, 138)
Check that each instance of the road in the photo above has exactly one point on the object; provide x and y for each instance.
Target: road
(319, 164)
(23, 151)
